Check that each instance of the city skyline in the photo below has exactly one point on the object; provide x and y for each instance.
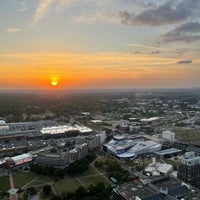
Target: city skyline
(88, 44)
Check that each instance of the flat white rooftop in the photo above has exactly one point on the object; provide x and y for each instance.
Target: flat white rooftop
(21, 157)
(65, 128)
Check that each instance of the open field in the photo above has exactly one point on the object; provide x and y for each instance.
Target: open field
(66, 185)
(22, 178)
(94, 180)
(188, 135)
(30, 179)
(45, 178)
(35, 183)
(4, 183)
(90, 171)
(91, 176)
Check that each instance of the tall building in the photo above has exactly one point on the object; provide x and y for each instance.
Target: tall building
(93, 141)
(189, 169)
(168, 135)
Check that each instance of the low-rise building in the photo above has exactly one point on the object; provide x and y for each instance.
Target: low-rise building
(18, 160)
(155, 188)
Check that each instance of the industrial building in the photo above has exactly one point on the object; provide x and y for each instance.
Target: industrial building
(189, 169)
(124, 148)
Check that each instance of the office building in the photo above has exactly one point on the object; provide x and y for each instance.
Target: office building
(168, 135)
(189, 169)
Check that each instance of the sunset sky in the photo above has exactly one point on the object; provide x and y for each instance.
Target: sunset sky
(99, 44)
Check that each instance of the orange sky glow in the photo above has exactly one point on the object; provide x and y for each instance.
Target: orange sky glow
(88, 70)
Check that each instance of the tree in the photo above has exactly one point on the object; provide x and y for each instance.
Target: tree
(91, 189)
(99, 187)
(80, 192)
(91, 157)
(31, 191)
(56, 197)
(47, 189)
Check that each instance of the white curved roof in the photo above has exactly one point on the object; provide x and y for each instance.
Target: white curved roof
(126, 155)
(65, 128)
(130, 148)
(21, 157)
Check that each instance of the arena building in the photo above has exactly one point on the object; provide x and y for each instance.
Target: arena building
(62, 159)
(124, 148)
(53, 159)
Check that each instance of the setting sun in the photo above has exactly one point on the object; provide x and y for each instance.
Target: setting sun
(54, 83)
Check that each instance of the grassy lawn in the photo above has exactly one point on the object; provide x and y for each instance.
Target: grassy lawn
(94, 180)
(4, 183)
(45, 197)
(102, 169)
(66, 185)
(90, 171)
(22, 178)
(38, 188)
(45, 179)
(35, 183)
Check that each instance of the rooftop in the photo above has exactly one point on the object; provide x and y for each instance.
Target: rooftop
(65, 128)
(157, 188)
(168, 151)
(21, 157)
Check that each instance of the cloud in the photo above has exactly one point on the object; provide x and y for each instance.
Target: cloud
(184, 62)
(171, 12)
(188, 32)
(44, 6)
(42, 9)
(13, 30)
(147, 46)
(98, 17)
(155, 52)
(24, 6)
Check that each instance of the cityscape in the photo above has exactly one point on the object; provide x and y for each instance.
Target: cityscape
(100, 100)
(130, 144)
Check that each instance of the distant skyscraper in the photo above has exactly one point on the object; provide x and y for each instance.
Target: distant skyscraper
(189, 169)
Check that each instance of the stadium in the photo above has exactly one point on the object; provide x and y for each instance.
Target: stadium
(124, 148)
